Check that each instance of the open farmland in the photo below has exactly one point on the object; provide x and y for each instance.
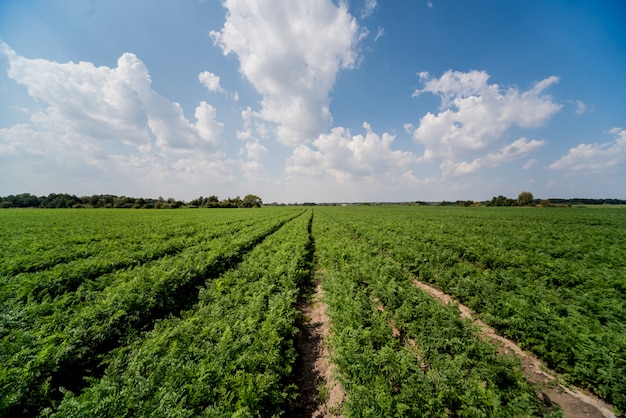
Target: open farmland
(197, 312)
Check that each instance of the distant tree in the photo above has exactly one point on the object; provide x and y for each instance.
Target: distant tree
(211, 202)
(25, 200)
(545, 203)
(197, 202)
(525, 198)
(501, 201)
(231, 203)
(251, 201)
(160, 203)
(139, 203)
(173, 203)
(123, 202)
(498, 201)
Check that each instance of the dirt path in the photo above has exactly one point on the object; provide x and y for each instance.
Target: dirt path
(573, 401)
(320, 394)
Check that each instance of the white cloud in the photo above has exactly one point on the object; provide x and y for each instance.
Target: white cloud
(255, 151)
(529, 164)
(341, 166)
(210, 81)
(198, 172)
(109, 107)
(174, 133)
(379, 33)
(344, 156)
(369, 8)
(305, 162)
(511, 152)
(93, 102)
(253, 171)
(253, 125)
(581, 107)
(475, 115)
(594, 157)
(291, 52)
(413, 181)
(208, 128)
(107, 124)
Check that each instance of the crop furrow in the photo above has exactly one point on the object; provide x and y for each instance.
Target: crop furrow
(66, 278)
(430, 362)
(232, 355)
(75, 346)
(550, 290)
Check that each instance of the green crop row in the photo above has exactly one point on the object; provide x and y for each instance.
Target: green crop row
(553, 280)
(399, 352)
(151, 245)
(53, 344)
(192, 313)
(35, 240)
(232, 355)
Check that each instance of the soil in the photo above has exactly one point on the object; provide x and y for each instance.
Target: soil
(574, 402)
(320, 395)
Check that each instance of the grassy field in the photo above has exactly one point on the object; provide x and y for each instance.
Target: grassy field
(195, 312)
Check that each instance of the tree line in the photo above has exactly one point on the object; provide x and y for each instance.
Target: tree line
(527, 199)
(507, 201)
(63, 200)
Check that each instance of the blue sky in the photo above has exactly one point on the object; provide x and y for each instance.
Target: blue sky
(313, 100)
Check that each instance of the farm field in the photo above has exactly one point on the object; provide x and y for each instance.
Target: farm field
(196, 312)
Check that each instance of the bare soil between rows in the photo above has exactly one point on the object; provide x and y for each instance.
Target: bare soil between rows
(574, 402)
(320, 395)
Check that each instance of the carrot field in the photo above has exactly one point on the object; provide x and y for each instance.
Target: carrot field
(197, 312)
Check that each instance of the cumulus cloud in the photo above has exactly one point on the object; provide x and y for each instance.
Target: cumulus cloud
(511, 152)
(255, 151)
(210, 81)
(107, 124)
(101, 110)
(207, 126)
(253, 126)
(344, 156)
(93, 102)
(585, 158)
(253, 171)
(474, 117)
(217, 170)
(291, 52)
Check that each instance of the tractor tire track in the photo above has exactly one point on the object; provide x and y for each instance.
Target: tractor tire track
(573, 401)
(320, 394)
